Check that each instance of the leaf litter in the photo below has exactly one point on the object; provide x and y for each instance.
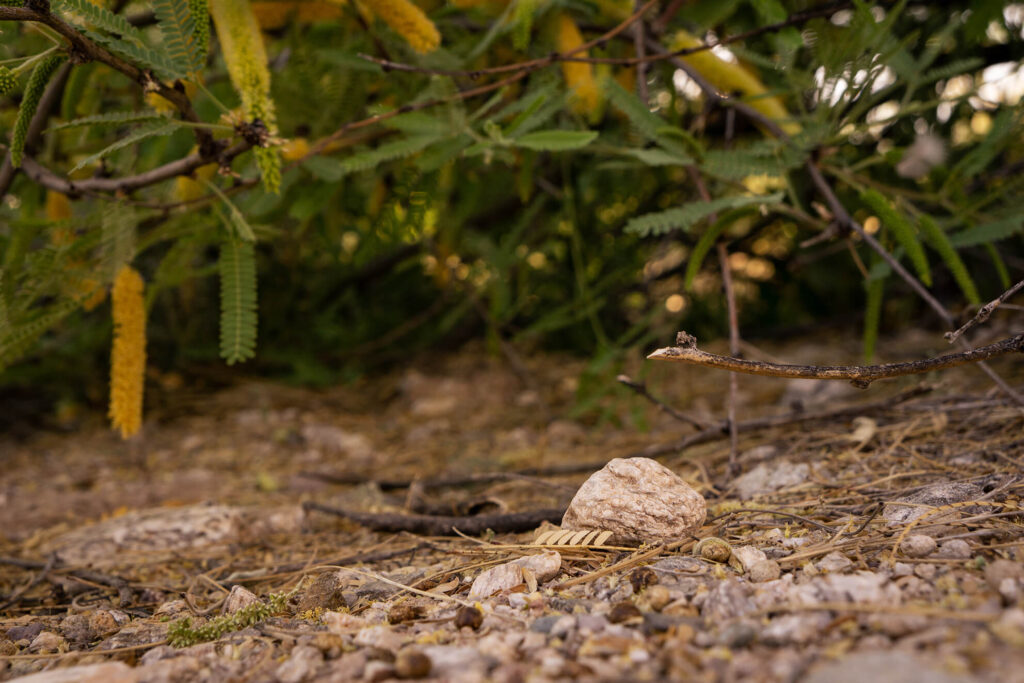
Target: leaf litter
(887, 543)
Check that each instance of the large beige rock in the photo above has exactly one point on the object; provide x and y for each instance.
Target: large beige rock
(639, 500)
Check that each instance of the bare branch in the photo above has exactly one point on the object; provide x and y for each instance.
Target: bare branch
(860, 375)
(984, 312)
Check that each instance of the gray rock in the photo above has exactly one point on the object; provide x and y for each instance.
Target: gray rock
(998, 571)
(918, 545)
(238, 598)
(496, 579)
(765, 570)
(883, 667)
(936, 495)
(834, 563)
(748, 556)
(955, 549)
(301, 664)
(637, 499)
(727, 600)
(768, 477)
(795, 629)
(737, 634)
(108, 672)
(545, 566)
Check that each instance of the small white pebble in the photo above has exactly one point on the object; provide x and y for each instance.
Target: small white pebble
(918, 545)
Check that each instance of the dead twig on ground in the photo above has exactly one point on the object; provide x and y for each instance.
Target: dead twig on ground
(861, 376)
(641, 389)
(430, 525)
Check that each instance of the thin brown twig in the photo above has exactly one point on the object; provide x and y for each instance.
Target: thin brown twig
(734, 350)
(641, 389)
(861, 376)
(437, 525)
(984, 312)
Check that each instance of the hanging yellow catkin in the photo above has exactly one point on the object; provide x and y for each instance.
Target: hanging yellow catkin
(128, 355)
(246, 58)
(408, 21)
(586, 95)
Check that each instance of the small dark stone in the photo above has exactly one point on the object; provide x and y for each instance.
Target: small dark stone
(27, 632)
(624, 611)
(642, 577)
(469, 616)
(737, 634)
(544, 624)
(412, 664)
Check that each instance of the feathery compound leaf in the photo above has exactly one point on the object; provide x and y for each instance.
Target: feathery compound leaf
(684, 217)
(386, 152)
(235, 220)
(17, 338)
(155, 61)
(556, 140)
(141, 133)
(940, 243)
(100, 17)
(237, 300)
(178, 30)
(115, 118)
(30, 102)
(872, 315)
(902, 230)
(242, 45)
(707, 240)
(989, 232)
(645, 122)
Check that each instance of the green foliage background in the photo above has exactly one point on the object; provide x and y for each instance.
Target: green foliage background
(510, 215)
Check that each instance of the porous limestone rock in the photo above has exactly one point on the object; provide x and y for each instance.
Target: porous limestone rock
(637, 499)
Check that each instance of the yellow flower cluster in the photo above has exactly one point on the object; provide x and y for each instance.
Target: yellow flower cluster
(586, 95)
(128, 356)
(246, 58)
(408, 21)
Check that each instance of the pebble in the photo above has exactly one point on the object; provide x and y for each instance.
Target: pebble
(657, 597)
(955, 549)
(639, 500)
(882, 667)
(765, 570)
(468, 616)
(623, 611)
(748, 556)
(737, 634)
(834, 563)
(918, 545)
(411, 663)
(999, 570)
(768, 477)
(238, 598)
(301, 664)
(48, 642)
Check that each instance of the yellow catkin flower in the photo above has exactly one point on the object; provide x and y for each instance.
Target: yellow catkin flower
(275, 14)
(58, 207)
(586, 95)
(734, 78)
(157, 102)
(128, 355)
(408, 21)
(295, 149)
(246, 58)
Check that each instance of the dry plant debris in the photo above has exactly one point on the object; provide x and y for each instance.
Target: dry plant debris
(888, 549)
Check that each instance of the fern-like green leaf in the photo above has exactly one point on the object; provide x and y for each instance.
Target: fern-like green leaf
(940, 243)
(703, 246)
(556, 140)
(237, 300)
(114, 118)
(139, 134)
(902, 230)
(236, 223)
(686, 216)
(178, 30)
(872, 315)
(100, 17)
(17, 338)
(994, 144)
(390, 151)
(650, 125)
(154, 60)
(989, 232)
(30, 102)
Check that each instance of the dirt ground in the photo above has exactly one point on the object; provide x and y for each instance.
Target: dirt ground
(869, 535)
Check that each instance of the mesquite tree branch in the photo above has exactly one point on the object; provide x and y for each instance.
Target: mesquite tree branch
(686, 351)
(984, 312)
